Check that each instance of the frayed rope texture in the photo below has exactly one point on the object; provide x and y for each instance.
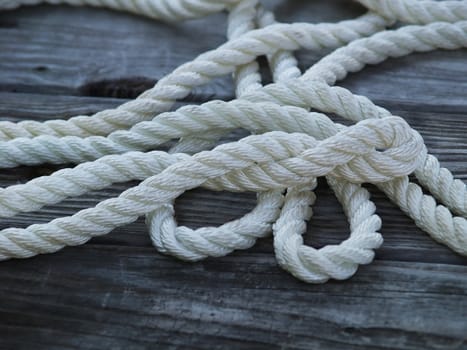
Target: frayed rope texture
(289, 149)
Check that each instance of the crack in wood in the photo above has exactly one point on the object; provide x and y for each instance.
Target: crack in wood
(128, 88)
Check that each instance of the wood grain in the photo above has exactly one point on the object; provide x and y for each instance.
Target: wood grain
(117, 292)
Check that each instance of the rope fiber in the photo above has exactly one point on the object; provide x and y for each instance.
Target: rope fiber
(290, 146)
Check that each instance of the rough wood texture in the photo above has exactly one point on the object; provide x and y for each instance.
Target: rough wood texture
(117, 292)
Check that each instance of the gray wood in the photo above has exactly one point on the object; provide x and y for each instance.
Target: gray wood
(68, 51)
(118, 292)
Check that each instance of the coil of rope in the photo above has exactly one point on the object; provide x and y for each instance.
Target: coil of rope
(290, 148)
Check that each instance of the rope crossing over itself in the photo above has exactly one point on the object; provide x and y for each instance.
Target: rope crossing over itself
(289, 148)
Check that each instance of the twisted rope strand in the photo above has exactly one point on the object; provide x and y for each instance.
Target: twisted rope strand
(166, 10)
(333, 261)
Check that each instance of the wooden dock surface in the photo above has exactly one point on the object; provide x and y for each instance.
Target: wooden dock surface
(117, 292)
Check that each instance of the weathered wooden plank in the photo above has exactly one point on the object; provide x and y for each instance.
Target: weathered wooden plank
(137, 298)
(432, 81)
(110, 49)
(16, 106)
(106, 45)
(123, 65)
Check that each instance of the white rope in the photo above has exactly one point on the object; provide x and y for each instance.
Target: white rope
(166, 10)
(281, 165)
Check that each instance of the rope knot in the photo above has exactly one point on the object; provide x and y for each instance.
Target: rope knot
(370, 151)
